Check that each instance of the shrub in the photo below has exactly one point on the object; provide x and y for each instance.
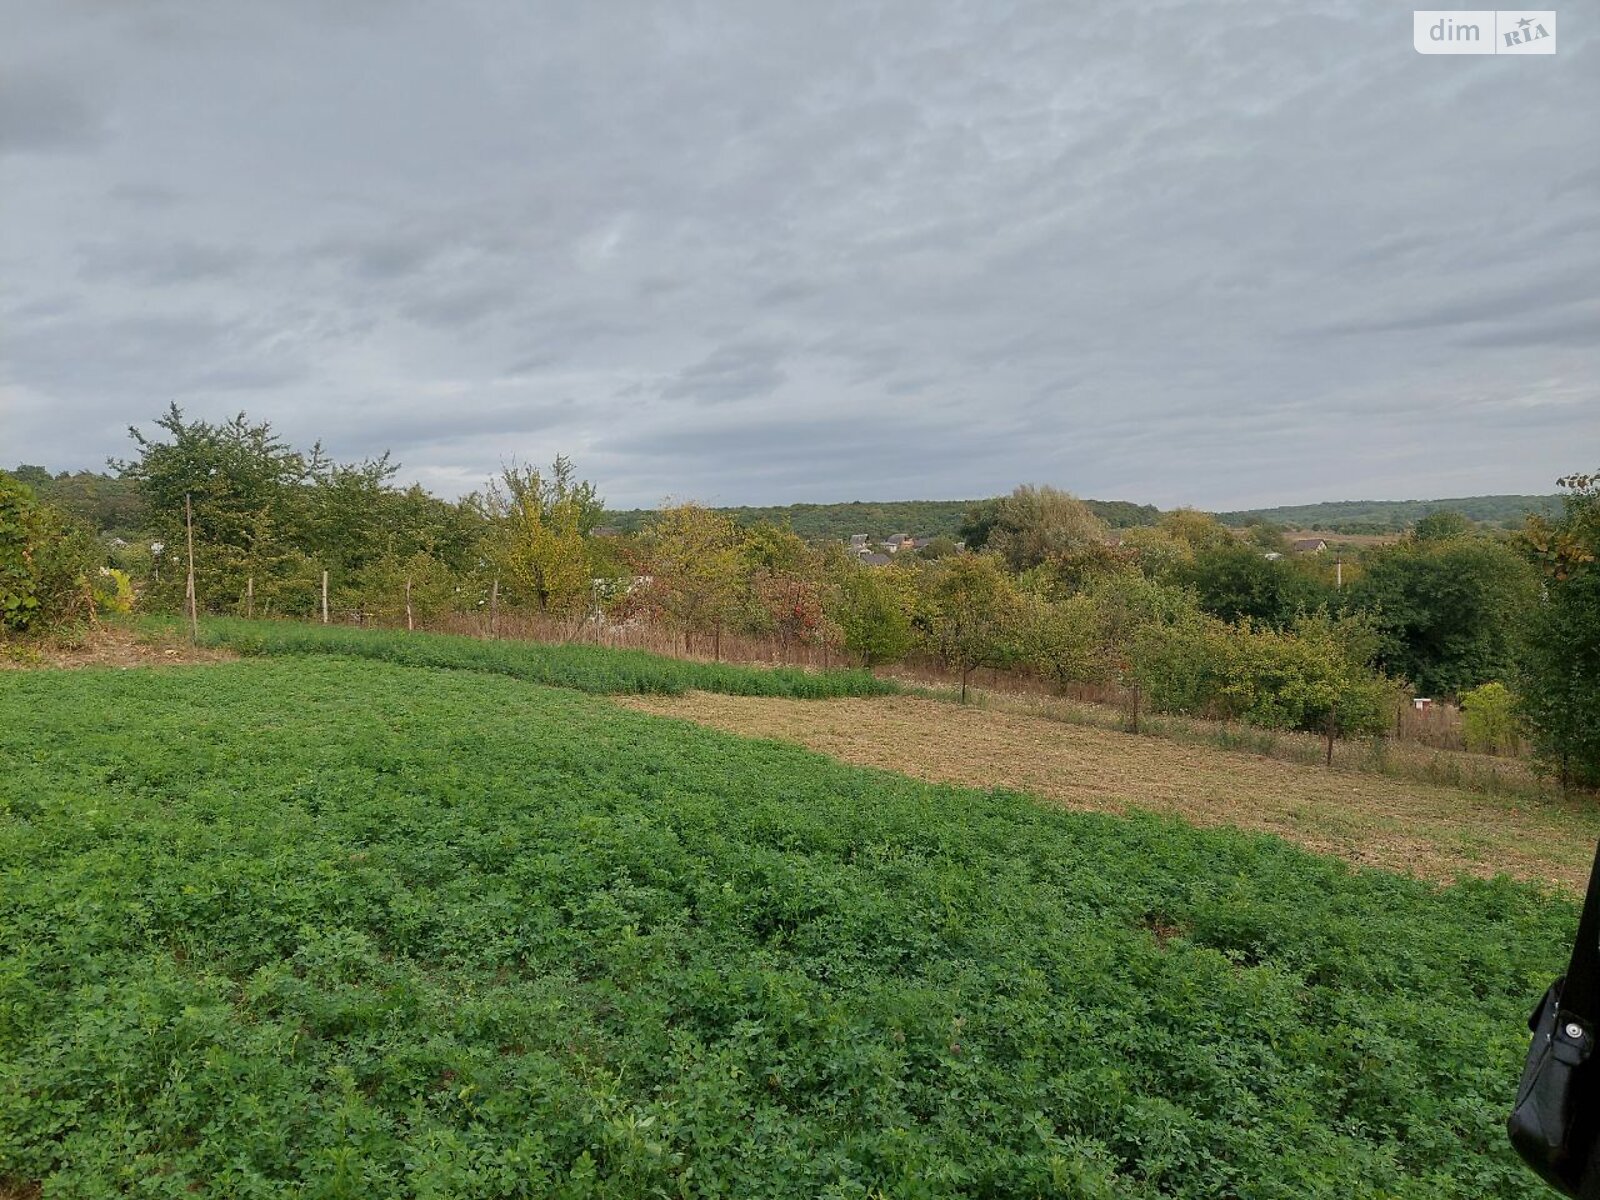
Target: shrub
(45, 563)
(1278, 679)
(1489, 719)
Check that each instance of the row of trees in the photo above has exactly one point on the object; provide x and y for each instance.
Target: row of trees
(1197, 617)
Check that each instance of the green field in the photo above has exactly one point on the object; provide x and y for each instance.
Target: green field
(597, 669)
(330, 927)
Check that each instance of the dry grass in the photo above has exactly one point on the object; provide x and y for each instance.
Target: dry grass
(1429, 831)
(105, 646)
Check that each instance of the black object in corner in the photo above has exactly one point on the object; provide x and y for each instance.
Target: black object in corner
(1555, 1123)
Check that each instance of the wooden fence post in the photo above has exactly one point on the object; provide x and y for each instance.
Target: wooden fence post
(409, 623)
(194, 610)
(324, 597)
(250, 596)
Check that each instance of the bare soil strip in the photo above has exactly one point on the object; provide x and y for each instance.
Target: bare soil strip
(107, 646)
(1432, 832)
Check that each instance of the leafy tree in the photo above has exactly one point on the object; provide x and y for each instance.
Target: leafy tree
(942, 546)
(873, 611)
(978, 522)
(695, 567)
(1236, 582)
(1039, 524)
(1558, 668)
(971, 615)
(1267, 536)
(1446, 612)
(1199, 531)
(242, 481)
(1442, 525)
(1489, 719)
(537, 541)
(1062, 641)
(1157, 553)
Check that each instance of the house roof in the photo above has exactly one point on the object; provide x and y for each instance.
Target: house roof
(1310, 544)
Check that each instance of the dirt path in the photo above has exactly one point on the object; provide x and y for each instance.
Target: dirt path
(1433, 832)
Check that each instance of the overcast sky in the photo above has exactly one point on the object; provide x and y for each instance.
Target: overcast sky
(1226, 254)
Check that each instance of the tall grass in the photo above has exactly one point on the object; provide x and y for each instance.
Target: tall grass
(596, 669)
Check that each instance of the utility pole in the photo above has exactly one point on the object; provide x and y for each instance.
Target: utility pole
(1338, 574)
(324, 597)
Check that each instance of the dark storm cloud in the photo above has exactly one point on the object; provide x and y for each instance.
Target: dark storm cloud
(766, 252)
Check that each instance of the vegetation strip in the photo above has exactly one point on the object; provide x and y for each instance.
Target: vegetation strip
(597, 669)
(326, 927)
(1431, 831)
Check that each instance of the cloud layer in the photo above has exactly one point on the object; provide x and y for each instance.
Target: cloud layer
(762, 252)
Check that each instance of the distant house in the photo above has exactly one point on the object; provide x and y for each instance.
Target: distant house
(1272, 556)
(876, 560)
(1308, 545)
(860, 541)
(899, 542)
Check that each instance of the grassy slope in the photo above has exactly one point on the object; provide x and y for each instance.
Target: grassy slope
(338, 928)
(598, 669)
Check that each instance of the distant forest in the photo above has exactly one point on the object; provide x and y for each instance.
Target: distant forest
(111, 507)
(879, 519)
(1396, 516)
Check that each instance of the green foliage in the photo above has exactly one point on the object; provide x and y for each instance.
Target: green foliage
(1277, 679)
(46, 562)
(587, 668)
(873, 612)
(1447, 612)
(268, 514)
(1443, 525)
(969, 614)
(879, 520)
(101, 503)
(1062, 641)
(1035, 525)
(1558, 670)
(1395, 516)
(1489, 719)
(536, 541)
(1237, 582)
(113, 591)
(693, 556)
(339, 929)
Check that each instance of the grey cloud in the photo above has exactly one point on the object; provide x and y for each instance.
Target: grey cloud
(44, 113)
(1217, 254)
(157, 265)
(739, 371)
